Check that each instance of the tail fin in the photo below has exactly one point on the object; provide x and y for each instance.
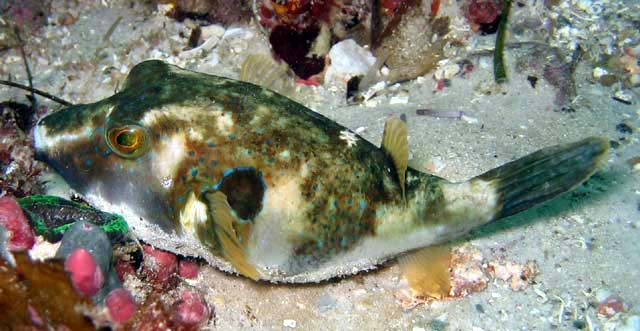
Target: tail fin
(545, 174)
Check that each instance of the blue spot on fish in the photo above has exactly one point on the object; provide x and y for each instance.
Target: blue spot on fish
(88, 162)
(194, 172)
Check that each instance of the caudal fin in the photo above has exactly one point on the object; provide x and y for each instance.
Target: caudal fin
(545, 174)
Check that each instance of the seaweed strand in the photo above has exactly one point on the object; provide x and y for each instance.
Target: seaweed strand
(499, 71)
(36, 91)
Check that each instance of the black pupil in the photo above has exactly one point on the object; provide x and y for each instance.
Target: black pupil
(127, 139)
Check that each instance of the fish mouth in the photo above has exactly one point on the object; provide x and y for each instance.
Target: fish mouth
(38, 133)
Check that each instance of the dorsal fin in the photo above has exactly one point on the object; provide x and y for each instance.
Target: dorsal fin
(263, 70)
(233, 249)
(395, 143)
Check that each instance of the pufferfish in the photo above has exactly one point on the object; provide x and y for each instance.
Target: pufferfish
(260, 185)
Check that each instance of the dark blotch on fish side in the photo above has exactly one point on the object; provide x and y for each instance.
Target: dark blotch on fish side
(533, 80)
(244, 189)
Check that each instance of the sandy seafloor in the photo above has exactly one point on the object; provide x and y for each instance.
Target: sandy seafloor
(581, 241)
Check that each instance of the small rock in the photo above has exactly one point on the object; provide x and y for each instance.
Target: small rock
(289, 323)
(446, 70)
(632, 323)
(325, 303)
(348, 59)
(599, 72)
(191, 309)
(519, 276)
(21, 235)
(611, 306)
(120, 305)
(43, 249)
(634, 163)
(467, 275)
(400, 98)
(435, 165)
(188, 269)
(634, 80)
(624, 128)
(608, 80)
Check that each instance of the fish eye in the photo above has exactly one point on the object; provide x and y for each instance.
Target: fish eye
(128, 141)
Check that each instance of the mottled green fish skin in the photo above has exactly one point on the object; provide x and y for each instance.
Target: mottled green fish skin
(311, 199)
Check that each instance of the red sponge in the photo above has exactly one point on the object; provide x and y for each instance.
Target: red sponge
(21, 236)
(160, 267)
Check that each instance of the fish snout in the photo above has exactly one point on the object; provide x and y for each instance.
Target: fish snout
(39, 141)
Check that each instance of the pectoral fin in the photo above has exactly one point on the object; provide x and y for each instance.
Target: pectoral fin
(228, 229)
(427, 271)
(395, 143)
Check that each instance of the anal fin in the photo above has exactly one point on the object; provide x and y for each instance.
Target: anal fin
(395, 143)
(232, 244)
(426, 271)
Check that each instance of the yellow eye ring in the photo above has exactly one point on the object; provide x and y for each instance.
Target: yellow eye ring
(129, 141)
